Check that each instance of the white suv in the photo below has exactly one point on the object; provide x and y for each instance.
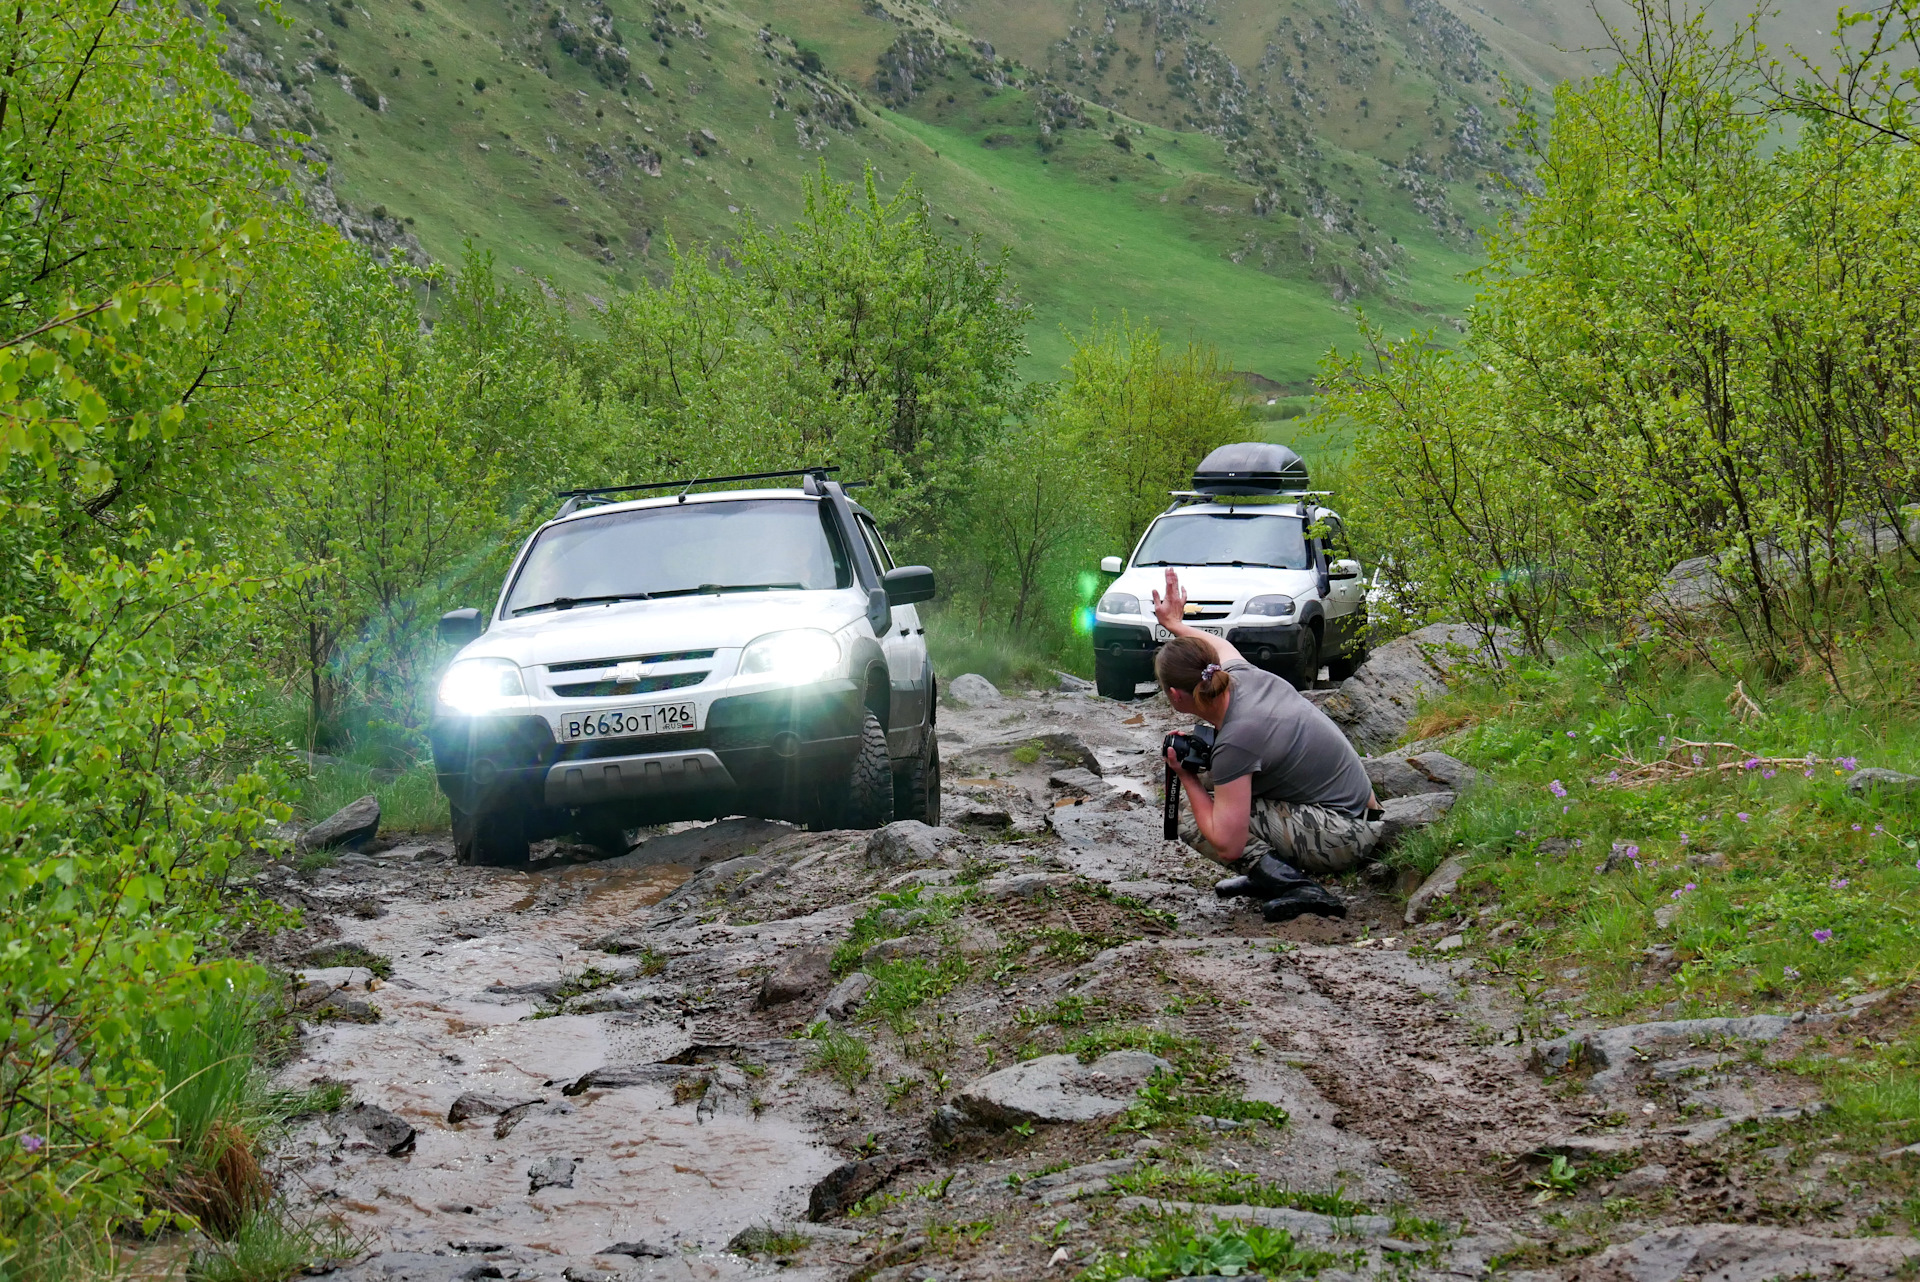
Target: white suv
(750, 651)
(1263, 565)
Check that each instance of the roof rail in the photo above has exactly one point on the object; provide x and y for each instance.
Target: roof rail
(576, 499)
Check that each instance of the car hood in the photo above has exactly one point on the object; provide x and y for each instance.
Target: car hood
(627, 629)
(1216, 582)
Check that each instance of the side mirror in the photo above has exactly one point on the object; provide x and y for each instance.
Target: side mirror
(908, 584)
(460, 626)
(1344, 570)
(1110, 565)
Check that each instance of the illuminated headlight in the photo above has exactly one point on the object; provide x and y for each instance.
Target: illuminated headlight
(1119, 603)
(479, 686)
(1273, 607)
(802, 655)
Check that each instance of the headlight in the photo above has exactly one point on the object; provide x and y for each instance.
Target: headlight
(479, 686)
(1276, 607)
(1119, 603)
(796, 657)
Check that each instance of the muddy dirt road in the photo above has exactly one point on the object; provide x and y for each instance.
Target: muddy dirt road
(601, 1068)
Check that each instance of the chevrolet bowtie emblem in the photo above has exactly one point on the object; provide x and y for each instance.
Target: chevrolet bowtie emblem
(627, 672)
(1192, 608)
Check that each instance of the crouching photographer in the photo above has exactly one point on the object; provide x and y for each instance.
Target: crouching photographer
(1288, 796)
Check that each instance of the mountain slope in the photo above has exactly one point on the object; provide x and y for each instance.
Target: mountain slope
(1243, 173)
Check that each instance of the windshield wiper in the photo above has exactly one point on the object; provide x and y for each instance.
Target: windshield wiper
(568, 602)
(1258, 565)
(705, 588)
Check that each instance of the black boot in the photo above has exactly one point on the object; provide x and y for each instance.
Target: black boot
(1264, 878)
(1304, 897)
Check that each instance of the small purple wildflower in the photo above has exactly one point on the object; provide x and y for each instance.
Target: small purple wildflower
(1579, 841)
(1699, 760)
(1557, 788)
(1879, 829)
(1849, 764)
(1613, 776)
(1766, 774)
(1692, 886)
(1751, 763)
(1663, 741)
(1808, 772)
(1743, 817)
(1838, 883)
(1569, 734)
(1565, 809)
(1678, 893)
(1823, 936)
(32, 1143)
(1683, 838)
(1631, 852)
(1856, 827)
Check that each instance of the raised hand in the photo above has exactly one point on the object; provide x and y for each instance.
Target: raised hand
(1171, 608)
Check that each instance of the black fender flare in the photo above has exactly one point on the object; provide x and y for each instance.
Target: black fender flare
(867, 664)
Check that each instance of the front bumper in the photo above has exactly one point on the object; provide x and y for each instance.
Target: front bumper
(755, 754)
(1128, 649)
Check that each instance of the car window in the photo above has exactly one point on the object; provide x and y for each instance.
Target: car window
(874, 543)
(1336, 538)
(742, 545)
(1225, 538)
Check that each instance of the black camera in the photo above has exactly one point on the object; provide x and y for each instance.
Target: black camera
(1193, 749)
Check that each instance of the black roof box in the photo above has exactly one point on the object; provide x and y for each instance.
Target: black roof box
(1250, 467)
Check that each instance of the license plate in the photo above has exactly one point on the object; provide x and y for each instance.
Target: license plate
(1161, 634)
(625, 723)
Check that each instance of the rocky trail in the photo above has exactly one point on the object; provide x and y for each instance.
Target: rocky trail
(997, 1049)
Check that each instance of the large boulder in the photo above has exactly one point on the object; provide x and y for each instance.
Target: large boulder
(1378, 701)
(1435, 890)
(1875, 779)
(351, 825)
(1749, 1253)
(907, 841)
(802, 972)
(1058, 1088)
(971, 690)
(1401, 815)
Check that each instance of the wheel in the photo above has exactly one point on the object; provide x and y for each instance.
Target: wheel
(1345, 666)
(866, 799)
(494, 838)
(1306, 664)
(916, 790)
(1110, 682)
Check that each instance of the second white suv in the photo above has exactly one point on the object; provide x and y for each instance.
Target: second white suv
(1263, 565)
(686, 657)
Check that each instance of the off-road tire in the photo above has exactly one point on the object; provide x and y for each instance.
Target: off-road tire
(495, 838)
(916, 789)
(1339, 669)
(866, 799)
(1111, 684)
(1306, 664)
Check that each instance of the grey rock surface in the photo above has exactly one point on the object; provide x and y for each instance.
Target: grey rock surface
(1614, 1050)
(388, 1132)
(1299, 1223)
(1437, 889)
(705, 844)
(1747, 1253)
(846, 996)
(1379, 700)
(1070, 684)
(846, 1184)
(551, 1172)
(1392, 777)
(474, 1104)
(907, 841)
(1026, 885)
(1058, 1088)
(1450, 773)
(1877, 779)
(352, 824)
(1640, 1181)
(800, 973)
(971, 690)
(1078, 779)
(975, 814)
(1403, 814)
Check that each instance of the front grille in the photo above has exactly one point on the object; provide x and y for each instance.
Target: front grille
(590, 749)
(1208, 610)
(678, 656)
(645, 685)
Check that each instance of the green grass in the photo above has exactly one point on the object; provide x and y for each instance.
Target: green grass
(271, 1246)
(1232, 1188)
(410, 802)
(1174, 1248)
(894, 914)
(839, 1054)
(348, 954)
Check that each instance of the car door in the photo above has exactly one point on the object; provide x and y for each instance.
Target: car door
(1345, 598)
(905, 646)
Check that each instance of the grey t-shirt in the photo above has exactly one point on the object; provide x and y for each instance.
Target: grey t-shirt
(1292, 749)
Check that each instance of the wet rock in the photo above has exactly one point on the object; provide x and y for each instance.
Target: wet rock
(801, 972)
(614, 1076)
(1451, 944)
(639, 1250)
(410, 1266)
(975, 815)
(1078, 779)
(581, 1273)
(1615, 1050)
(1080, 1174)
(1058, 1088)
(1450, 773)
(907, 841)
(551, 1173)
(388, 1132)
(723, 877)
(1070, 684)
(1640, 1181)
(1026, 885)
(971, 690)
(1876, 779)
(1663, 915)
(1748, 1253)
(1594, 1145)
(474, 1104)
(479, 1246)
(900, 948)
(705, 845)
(1403, 814)
(353, 823)
(1070, 748)
(846, 1184)
(845, 998)
(1435, 890)
(513, 1116)
(1383, 695)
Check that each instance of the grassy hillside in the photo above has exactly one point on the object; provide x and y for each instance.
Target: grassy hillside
(573, 139)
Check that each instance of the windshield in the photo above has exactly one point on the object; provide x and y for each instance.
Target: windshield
(743, 545)
(1223, 538)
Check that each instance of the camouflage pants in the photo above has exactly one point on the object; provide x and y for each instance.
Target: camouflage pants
(1314, 839)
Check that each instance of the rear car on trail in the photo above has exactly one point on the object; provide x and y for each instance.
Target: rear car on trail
(732, 652)
(1263, 563)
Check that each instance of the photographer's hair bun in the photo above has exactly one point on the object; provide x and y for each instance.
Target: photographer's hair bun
(1188, 663)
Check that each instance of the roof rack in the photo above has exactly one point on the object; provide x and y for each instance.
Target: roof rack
(576, 499)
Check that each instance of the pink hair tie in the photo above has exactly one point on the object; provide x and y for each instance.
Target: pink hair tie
(1206, 673)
